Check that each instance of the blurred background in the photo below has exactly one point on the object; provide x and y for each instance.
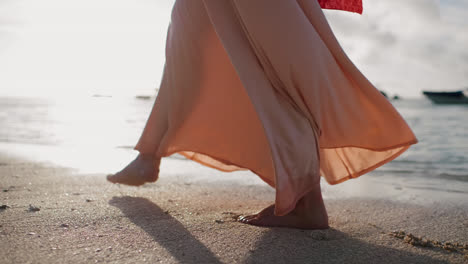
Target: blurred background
(64, 48)
(116, 47)
(75, 77)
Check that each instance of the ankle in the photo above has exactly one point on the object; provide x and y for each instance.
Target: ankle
(311, 199)
(146, 157)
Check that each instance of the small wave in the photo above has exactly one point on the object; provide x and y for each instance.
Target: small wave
(412, 162)
(454, 177)
(125, 147)
(436, 189)
(177, 157)
(398, 171)
(30, 141)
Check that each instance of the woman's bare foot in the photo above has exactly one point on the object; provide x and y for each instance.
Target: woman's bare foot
(310, 213)
(138, 172)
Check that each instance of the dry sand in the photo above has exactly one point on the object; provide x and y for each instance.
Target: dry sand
(84, 219)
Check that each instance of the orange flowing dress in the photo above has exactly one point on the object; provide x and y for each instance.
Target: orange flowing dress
(265, 86)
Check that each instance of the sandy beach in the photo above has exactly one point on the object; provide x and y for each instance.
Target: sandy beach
(252, 84)
(55, 215)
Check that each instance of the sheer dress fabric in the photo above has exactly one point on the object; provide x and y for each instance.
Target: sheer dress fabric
(265, 86)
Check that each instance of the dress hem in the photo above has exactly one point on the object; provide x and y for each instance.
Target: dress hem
(290, 208)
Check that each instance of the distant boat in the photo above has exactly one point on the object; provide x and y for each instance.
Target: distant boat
(456, 97)
(143, 97)
(395, 97)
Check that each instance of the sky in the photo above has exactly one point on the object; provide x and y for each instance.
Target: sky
(405, 46)
(116, 47)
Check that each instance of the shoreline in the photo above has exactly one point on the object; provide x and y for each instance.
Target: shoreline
(188, 217)
(375, 185)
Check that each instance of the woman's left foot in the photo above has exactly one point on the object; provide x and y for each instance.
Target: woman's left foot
(310, 213)
(140, 171)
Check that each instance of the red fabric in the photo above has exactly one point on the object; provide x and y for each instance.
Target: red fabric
(346, 5)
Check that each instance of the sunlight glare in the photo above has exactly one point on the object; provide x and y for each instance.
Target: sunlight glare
(63, 48)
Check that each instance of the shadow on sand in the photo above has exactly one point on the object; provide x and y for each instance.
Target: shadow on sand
(325, 246)
(164, 229)
(276, 245)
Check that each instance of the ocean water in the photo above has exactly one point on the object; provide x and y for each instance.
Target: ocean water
(97, 134)
(440, 160)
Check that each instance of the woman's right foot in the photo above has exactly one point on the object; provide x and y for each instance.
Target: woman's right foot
(140, 171)
(310, 213)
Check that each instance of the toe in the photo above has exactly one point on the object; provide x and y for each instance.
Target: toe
(120, 178)
(265, 221)
(111, 178)
(255, 222)
(246, 219)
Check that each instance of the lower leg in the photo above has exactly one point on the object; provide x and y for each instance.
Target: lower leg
(310, 213)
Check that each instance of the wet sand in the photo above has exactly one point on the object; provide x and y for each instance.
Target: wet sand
(54, 215)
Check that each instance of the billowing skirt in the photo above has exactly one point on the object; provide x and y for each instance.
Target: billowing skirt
(264, 85)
